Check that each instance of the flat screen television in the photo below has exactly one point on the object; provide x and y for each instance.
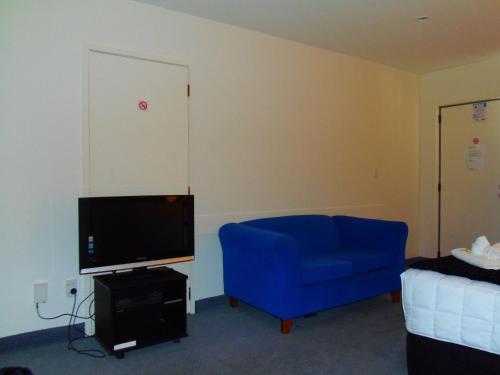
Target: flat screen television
(117, 233)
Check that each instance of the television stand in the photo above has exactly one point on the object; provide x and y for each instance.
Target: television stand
(137, 309)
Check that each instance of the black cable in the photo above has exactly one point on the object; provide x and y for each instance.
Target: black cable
(90, 315)
(95, 353)
(60, 315)
(70, 318)
(90, 308)
(75, 315)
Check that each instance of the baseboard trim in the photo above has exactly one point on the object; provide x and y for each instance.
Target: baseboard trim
(35, 338)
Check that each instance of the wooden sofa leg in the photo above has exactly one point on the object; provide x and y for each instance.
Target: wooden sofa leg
(396, 296)
(233, 302)
(286, 326)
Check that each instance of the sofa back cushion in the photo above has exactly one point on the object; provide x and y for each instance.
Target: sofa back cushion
(314, 234)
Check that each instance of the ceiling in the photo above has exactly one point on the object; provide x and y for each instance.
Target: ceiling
(385, 31)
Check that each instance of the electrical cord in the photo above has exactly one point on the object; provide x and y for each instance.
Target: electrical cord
(95, 353)
(58, 316)
(90, 308)
(90, 315)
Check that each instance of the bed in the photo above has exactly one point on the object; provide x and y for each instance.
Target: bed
(452, 316)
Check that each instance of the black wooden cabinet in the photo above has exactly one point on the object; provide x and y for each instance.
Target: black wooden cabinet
(136, 309)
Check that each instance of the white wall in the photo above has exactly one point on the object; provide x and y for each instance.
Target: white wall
(276, 127)
(457, 85)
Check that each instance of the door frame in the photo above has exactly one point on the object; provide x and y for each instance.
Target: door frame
(442, 107)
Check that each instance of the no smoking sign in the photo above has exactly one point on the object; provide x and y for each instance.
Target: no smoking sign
(143, 105)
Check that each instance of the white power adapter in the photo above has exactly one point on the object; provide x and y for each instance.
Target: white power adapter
(40, 292)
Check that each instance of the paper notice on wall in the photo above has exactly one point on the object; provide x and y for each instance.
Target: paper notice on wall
(479, 111)
(475, 157)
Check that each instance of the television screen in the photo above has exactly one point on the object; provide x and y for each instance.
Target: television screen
(136, 231)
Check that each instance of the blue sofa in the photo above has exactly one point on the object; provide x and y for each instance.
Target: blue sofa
(292, 266)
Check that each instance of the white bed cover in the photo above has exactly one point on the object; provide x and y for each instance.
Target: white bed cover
(453, 309)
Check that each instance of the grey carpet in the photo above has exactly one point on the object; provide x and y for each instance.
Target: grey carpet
(367, 337)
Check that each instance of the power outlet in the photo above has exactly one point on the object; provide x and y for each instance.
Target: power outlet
(40, 292)
(70, 284)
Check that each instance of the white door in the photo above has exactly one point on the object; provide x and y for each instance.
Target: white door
(138, 126)
(470, 175)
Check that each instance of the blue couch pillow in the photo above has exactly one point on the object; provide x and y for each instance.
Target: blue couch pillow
(314, 234)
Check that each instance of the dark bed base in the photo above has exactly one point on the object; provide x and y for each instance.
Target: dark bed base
(426, 356)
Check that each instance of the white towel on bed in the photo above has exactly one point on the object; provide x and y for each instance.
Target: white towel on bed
(481, 254)
(493, 252)
(479, 245)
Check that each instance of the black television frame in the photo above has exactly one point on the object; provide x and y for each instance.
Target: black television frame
(143, 264)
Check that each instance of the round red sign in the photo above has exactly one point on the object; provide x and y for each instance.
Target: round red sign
(143, 105)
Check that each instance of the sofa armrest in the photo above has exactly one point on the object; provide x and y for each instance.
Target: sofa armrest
(374, 234)
(258, 261)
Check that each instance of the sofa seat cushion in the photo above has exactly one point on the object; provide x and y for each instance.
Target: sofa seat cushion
(324, 267)
(365, 260)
